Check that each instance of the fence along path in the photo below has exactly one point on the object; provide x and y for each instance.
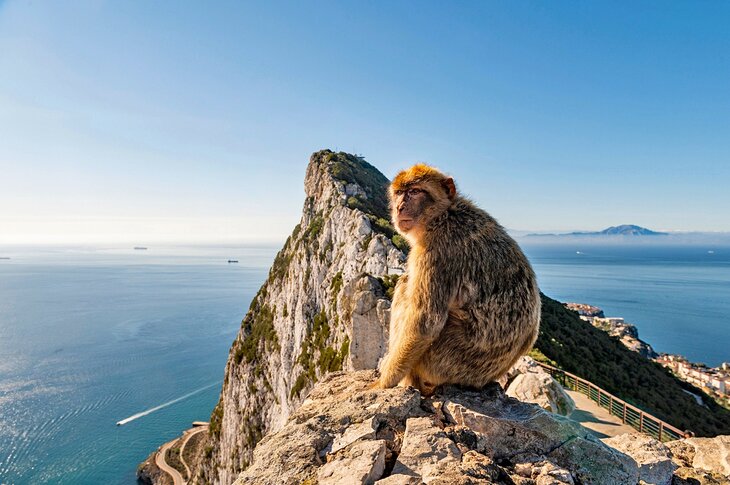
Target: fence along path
(641, 421)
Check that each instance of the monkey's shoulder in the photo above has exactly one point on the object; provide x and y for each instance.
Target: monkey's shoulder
(465, 222)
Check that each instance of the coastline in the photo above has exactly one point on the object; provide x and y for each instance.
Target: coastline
(713, 381)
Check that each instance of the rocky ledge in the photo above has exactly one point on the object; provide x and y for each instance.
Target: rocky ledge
(345, 433)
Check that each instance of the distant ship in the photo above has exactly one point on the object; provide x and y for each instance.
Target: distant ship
(232, 260)
(140, 248)
(4, 257)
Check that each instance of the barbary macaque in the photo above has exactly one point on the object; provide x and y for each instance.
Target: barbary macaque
(468, 306)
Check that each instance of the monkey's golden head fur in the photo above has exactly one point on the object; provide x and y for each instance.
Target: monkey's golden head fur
(416, 174)
(418, 195)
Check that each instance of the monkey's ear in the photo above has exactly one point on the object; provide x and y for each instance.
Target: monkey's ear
(450, 187)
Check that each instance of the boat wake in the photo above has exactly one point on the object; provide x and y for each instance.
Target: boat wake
(164, 405)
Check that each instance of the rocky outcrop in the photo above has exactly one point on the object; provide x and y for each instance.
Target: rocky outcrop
(702, 460)
(529, 382)
(148, 473)
(324, 307)
(345, 433)
(627, 333)
(653, 457)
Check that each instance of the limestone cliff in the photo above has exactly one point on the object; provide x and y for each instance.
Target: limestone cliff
(324, 307)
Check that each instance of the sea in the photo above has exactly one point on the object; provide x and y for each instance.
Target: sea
(90, 336)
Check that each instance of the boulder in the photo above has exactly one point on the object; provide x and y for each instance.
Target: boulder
(362, 463)
(653, 457)
(529, 382)
(706, 460)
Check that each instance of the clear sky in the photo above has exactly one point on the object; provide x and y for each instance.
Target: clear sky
(167, 120)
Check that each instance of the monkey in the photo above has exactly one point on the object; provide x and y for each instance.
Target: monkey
(468, 305)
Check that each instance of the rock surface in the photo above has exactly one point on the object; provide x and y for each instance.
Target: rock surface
(455, 437)
(704, 460)
(529, 382)
(324, 307)
(627, 333)
(653, 457)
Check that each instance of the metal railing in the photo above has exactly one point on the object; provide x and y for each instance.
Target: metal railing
(641, 421)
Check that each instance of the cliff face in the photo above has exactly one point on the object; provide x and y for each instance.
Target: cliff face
(324, 307)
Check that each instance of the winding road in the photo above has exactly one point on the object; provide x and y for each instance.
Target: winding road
(177, 478)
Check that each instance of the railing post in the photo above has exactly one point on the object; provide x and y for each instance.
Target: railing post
(599, 397)
(624, 413)
(641, 422)
(610, 404)
(661, 428)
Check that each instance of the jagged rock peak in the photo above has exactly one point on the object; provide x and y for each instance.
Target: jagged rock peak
(339, 176)
(325, 306)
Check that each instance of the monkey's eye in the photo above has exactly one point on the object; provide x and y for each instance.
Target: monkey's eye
(412, 192)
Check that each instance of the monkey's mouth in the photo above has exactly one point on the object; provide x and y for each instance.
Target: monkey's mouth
(405, 223)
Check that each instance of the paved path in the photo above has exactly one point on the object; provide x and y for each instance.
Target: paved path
(595, 418)
(189, 434)
(177, 479)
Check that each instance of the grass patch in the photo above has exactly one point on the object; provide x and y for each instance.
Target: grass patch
(259, 324)
(389, 282)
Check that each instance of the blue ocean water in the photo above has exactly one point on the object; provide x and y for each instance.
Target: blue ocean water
(90, 336)
(678, 296)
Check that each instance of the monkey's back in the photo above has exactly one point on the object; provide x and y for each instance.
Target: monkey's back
(495, 298)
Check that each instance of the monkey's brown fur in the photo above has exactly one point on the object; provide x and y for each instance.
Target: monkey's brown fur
(468, 306)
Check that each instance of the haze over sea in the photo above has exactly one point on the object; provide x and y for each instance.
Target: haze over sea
(91, 336)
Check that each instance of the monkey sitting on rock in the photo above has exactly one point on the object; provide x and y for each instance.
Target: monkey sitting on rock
(468, 306)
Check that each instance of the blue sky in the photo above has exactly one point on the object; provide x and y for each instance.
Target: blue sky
(167, 120)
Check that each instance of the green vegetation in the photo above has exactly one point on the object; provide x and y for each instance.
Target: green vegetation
(336, 284)
(540, 357)
(316, 344)
(330, 360)
(590, 353)
(400, 242)
(352, 169)
(214, 428)
(389, 282)
(281, 265)
(314, 228)
(172, 457)
(253, 431)
(208, 452)
(258, 328)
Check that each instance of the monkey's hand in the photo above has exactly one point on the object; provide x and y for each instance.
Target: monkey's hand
(375, 385)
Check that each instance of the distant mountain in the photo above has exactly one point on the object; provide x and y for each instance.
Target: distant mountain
(623, 230)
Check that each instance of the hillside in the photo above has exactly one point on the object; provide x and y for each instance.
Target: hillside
(578, 347)
(325, 307)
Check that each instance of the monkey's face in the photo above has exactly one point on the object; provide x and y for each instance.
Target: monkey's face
(409, 206)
